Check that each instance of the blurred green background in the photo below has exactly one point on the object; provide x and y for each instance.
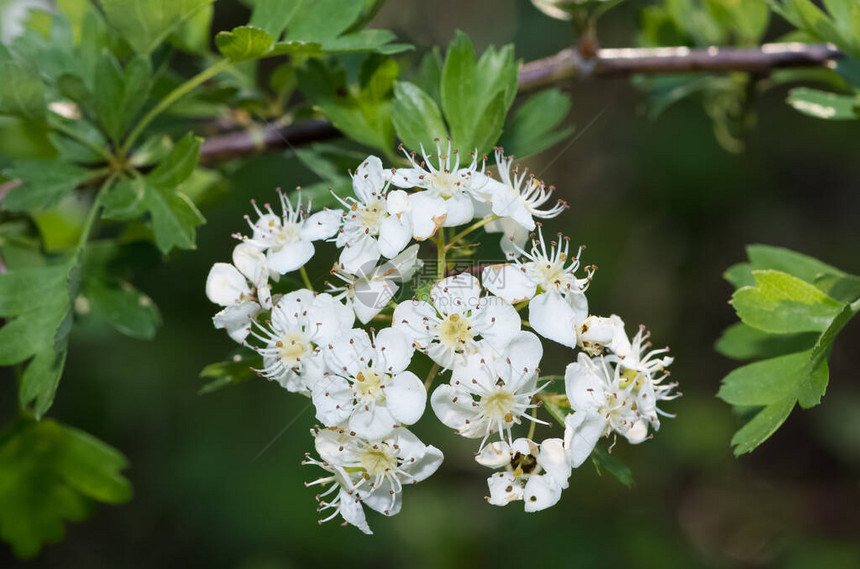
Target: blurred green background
(663, 210)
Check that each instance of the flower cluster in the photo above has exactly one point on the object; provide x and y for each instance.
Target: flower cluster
(467, 324)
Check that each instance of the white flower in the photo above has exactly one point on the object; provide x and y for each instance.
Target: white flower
(606, 396)
(450, 193)
(371, 226)
(596, 334)
(371, 472)
(368, 389)
(533, 473)
(449, 327)
(548, 279)
(287, 239)
(488, 394)
(228, 285)
(367, 293)
(517, 201)
(300, 323)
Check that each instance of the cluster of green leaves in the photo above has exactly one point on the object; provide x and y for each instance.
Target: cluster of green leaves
(463, 97)
(727, 99)
(840, 25)
(791, 309)
(100, 123)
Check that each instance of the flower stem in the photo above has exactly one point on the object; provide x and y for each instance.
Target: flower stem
(471, 228)
(306, 279)
(441, 250)
(431, 376)
(171, 98)
(92, 215)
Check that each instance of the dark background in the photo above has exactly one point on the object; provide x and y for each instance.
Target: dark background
(664, 211)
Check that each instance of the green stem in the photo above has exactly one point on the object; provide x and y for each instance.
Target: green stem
(431, 376)
(532, 427)
(93, 215)
(72, 133)
(171, 98)
(471, 228)
(441, 250)
(306, 279)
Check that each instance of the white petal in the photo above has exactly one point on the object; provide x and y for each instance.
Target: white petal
(540, 493)
(372, 423)
(397, 202)
(371, 297)
(553, 459)
(507, 203)
(525, 351)
(406, 398)
(480, 367)
(407, 177)
(497, 321)
(638, 432)
(225, 284)
(460, 210)
(333, 399)
(401, 268)
(427, 457)
(251, 262)
(453, 407)
(509, 282)
(581, 432)
(236, 319)
(494, 455)
(290, 257)
(552, 317)
(415, 318)
(579, 304)
(427, 213)
(348, 353)
(359, 254)
(584, 382)
(353, 512)
(393, 350)
(327, 318)
(394, 235)
(457, 294)
(446, 357)
(382, 499)
(368, 179)
(504, 488)
(321, 225)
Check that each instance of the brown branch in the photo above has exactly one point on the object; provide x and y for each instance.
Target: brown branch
(566, 64)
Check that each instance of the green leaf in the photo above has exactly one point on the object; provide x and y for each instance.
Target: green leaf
(45, 183)
(842, 288)
(22, 92)
(128, 310)
(823, 105)
(364, 117)
(49, 474)
(740, 275)
(174, 218)
(178, 165)
(40, 380)
(125, 200)
(742, 342)
(144, 24)
(244, 43)
(194, 33)
(788, 261)
(120, 94)
(762, 426)
(416, 118)
(534, 126)
(765, 382)
(603, 460)
(477, 94)
(273, 16)
(230, 372)
(781, 303)
(812, 391)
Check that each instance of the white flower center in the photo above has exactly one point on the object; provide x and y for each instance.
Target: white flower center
(369, 384)
(445, 183)
(378, 459)
(552, 276)
(370, 216)
(499, 406)
(284, 234)
(292, 347)
(455, 331)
